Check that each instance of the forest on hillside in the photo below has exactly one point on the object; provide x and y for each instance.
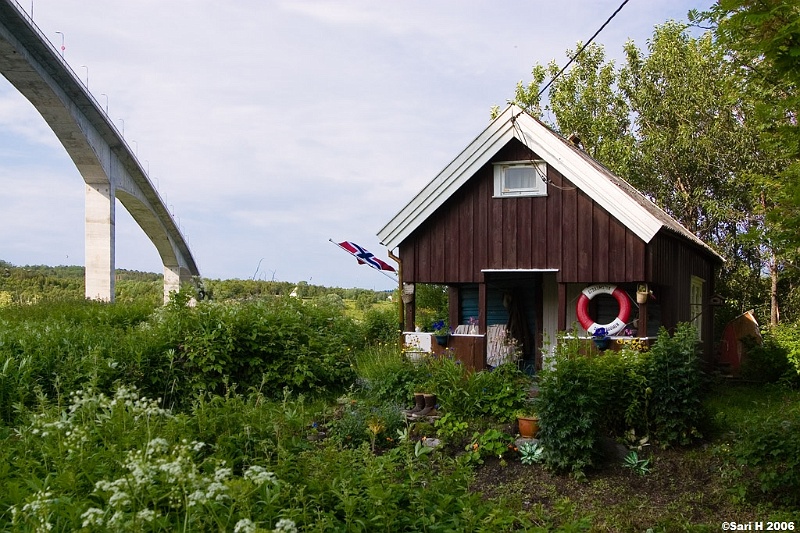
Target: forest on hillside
(35, 283)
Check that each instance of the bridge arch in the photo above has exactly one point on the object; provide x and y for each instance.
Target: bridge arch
(109, 168)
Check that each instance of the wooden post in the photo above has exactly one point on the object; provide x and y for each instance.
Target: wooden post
(642, 326)
(409, 304)
(453, 311)
(400, 304)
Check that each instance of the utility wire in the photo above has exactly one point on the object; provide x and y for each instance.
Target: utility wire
(583, 47)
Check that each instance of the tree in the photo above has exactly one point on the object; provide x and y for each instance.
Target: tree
(586, 102)
(762, 39)
(675, 122)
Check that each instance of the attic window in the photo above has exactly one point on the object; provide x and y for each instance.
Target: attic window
(523, 178)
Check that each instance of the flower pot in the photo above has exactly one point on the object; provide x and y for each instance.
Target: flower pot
(528, 426)
(441, 340)
(602, 343)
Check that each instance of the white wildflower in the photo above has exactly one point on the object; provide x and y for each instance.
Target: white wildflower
(221, 474)
(285, 525)
(146, 515)
(259, 475)
(92, 517)
(119, 499)
(245, 525)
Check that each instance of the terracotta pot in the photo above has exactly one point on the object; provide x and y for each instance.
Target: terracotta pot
(528, 426)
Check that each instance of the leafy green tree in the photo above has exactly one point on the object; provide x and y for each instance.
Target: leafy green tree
(762, 39)
(586, 102)
(676, 122)
(691, 132)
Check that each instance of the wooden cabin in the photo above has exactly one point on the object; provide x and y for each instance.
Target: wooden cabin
(521, 223)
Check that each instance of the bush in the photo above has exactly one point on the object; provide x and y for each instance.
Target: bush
(777, 357)
(675, 379)
(381, 325)
(498, 393)
(656, 394)
(267, 344)
(625, 399)
(386, 375)
(570, 409)
(174, 352)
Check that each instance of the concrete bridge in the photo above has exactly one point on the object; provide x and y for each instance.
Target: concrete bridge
(108, 166)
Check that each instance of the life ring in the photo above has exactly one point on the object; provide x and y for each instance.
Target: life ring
(582, 309)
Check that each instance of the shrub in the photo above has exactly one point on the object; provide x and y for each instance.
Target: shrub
(381, 325)
(771, 449)
(622, 378)
(777, 357)
(570, 409)
(657, 393)
(63, 346)
(676, 382)
(386, 375)
(497, 393)
(269, 344)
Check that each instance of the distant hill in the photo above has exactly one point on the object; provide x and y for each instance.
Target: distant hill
(34, 283)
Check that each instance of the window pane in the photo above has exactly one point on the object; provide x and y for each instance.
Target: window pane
(520, 178)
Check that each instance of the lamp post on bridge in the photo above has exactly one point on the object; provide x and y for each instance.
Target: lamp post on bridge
(62, 44)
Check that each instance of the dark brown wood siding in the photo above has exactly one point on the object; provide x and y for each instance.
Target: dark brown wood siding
(565, 230)
(671, 263)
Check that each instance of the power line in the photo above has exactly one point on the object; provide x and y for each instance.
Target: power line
(614, 14)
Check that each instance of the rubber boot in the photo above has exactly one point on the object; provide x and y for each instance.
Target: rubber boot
(430, 406)
(419, 404)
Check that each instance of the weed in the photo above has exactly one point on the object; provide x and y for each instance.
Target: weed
(635, 464)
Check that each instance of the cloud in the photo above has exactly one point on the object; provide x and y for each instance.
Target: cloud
(269, 127)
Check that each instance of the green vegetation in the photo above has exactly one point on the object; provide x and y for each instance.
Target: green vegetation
(654, 395)
(39, 283)
(278, 413)
(706, 126)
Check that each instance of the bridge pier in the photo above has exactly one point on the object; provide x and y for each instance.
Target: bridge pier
(99, 241)
(174, 278)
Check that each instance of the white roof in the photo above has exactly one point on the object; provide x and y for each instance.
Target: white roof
(615, 195)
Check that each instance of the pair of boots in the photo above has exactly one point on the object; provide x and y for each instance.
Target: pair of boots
(424, 405)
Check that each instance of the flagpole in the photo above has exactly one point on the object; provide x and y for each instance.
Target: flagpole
(348, 251)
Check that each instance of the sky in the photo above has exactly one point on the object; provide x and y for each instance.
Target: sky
(270, 127)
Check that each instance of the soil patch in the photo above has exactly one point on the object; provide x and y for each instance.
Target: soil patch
(684, 488)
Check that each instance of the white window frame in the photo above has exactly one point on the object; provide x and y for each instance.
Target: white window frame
(539, 184)
(696, 304)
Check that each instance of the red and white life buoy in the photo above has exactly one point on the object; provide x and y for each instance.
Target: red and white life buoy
(582, 308)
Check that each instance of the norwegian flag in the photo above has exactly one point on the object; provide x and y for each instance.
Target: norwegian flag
(364, 256)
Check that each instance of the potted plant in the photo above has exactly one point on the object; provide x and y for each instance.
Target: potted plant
(528, 423)
(601, 338)
(441, 332)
